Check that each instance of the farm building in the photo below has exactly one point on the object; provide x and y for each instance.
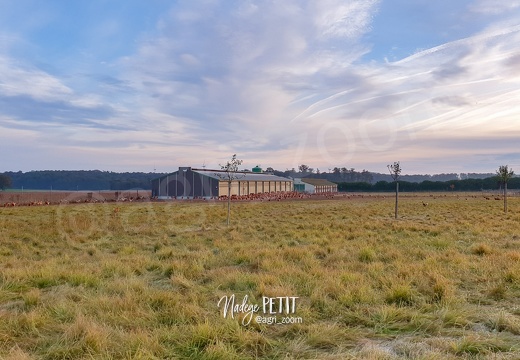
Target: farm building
(315, 186)
(192, 183)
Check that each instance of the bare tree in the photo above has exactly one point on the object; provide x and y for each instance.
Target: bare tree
(395, 172)
(230, 173)
(504, 175)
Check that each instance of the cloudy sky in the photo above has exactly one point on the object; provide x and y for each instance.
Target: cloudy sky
(141, 85)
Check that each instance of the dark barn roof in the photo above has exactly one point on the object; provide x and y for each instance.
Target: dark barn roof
(239, 175)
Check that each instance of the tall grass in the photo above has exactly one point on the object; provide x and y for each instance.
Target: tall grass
(143, 281)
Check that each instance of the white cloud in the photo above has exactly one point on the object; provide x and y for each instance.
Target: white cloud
(17, 80)
(340, 19)
(494, 7)
(239, 65)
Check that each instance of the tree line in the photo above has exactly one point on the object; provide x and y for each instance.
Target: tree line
(344, 174)
(338, 175)
(76, 180)
(347, 180)
(490, 183)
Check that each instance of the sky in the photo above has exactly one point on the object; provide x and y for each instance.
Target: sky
(153, 85)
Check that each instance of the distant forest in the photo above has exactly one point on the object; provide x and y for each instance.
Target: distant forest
(343, 174)
(352, 180)
(490, 183)
(347, 180)
(80, 180)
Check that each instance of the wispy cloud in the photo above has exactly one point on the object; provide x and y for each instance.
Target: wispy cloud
(18, 80)
(494, 7)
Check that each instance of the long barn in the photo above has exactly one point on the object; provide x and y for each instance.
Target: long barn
(189, 183)
(315, 186)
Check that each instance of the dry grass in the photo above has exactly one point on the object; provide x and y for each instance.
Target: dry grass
(87, 282)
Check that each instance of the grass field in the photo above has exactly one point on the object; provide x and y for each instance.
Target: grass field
(142, 280)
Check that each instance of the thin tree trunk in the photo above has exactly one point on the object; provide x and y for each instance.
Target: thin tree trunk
(228, 202)
(396, 197)
(505, 197)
